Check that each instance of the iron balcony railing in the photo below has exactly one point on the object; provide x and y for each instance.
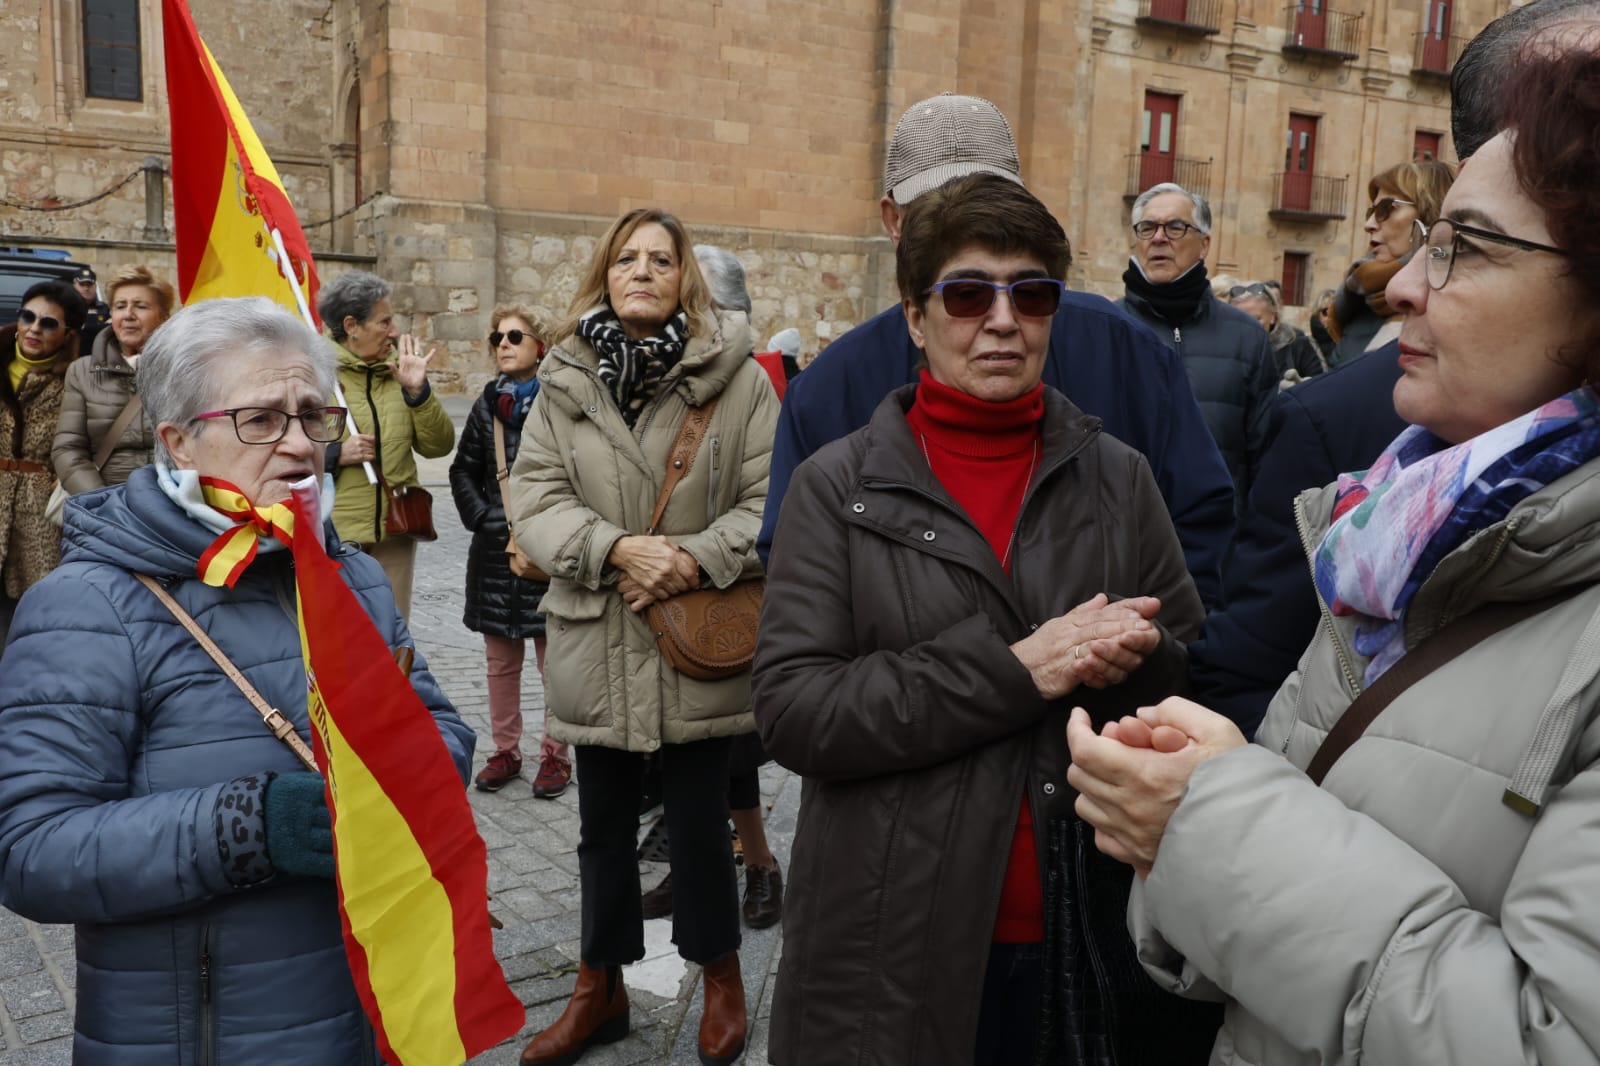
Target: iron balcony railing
(1308, 197)
(1434, 55)
(1319, 31)
(1145, 170)
(1199, 17)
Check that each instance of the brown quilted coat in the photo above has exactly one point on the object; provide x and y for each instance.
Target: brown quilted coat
(30, 547)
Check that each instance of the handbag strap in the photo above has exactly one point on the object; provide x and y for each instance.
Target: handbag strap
(502, 472)
(1460, 636)
(681, 458)
(118, 428)
(274, 719)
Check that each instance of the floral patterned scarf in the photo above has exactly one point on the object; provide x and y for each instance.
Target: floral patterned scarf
(1423, 498)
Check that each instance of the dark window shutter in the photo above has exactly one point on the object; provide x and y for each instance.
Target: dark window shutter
(111, 49)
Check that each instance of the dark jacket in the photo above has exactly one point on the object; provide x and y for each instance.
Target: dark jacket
(1108, 364)
(1337, 423)
(883, 674)
(1230, 365)
(1293, 350)
(1356, 333)
(498, 602)
(126, 758)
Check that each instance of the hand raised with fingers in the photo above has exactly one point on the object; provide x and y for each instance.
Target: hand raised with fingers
(411, 368)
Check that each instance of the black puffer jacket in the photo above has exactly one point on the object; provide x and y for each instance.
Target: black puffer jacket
(883, 675)
(1230, 364)
(498, 602)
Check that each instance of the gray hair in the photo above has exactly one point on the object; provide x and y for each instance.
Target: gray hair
(354, 294)
(724, 276)
(1202, 210)
(184, 366)
(1481, 70)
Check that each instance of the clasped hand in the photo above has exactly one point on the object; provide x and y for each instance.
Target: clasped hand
(653, 568)
(1097, 643)
(1131, 776)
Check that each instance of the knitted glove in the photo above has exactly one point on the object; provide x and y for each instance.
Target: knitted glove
(299, 833)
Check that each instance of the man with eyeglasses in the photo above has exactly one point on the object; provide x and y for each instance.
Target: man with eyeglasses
(1338, 422)
(1109, 365)
(1228, 357)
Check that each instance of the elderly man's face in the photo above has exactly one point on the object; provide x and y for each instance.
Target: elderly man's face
(1163, 258)
(263, 472)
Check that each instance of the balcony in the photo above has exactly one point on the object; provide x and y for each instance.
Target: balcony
(1195, 18)
(1147, 170)
(1321, 33)
(1433, 55)
(1301, 197)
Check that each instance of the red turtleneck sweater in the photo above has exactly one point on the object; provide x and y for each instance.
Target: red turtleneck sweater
(984, 454)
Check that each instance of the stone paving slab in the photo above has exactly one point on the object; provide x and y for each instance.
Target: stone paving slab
(532, 847)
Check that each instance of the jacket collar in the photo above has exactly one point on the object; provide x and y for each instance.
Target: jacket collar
(708, 364)
(349, 360)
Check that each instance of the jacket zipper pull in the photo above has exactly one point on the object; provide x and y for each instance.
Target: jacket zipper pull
(1177, 335)
(205, 977)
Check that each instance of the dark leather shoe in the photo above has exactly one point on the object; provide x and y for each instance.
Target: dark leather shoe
(763, 897)
(723, 1025)
(657, 903)
(593, 1016)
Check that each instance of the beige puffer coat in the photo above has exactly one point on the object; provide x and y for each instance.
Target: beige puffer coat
(97, 390)
(1407, 911)
(582, 480)
(30, 547)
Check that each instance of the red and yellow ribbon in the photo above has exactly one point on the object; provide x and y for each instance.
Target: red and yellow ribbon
(229, 555)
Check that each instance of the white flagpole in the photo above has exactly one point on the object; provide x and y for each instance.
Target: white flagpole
(287, 270)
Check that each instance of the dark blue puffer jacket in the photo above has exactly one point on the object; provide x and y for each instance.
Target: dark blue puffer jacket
(119, 742)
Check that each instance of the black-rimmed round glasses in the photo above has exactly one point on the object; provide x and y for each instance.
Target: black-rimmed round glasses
(1176, 229)
(515, 336)
(1444, 243)
(972, 297)
(268, 425)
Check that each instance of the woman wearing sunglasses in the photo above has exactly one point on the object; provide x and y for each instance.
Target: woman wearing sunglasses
(1405, 202)
(1434, 900)
(501, 605)
(102, 387)
(34, 355)
(939, 590)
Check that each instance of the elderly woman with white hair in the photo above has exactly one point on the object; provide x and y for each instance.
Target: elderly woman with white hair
(141, 797)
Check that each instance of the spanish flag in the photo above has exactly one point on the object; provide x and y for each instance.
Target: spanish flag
(229, 203)
(412, 870)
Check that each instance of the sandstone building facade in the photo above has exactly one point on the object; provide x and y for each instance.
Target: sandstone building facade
(472, 150)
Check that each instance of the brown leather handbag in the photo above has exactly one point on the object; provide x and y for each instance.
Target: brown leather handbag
(708, 634)
(410, 511)
(520, 564)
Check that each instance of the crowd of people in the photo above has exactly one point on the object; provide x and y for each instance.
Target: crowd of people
(1168, 684)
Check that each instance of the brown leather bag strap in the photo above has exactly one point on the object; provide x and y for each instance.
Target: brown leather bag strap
(118, 428)
(681, 458)
(502, 472)
(274, 719)
(1459, 636)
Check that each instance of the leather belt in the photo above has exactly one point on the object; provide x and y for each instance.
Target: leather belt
(23, 466)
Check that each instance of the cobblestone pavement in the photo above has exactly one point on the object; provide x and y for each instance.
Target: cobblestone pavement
(533, 871)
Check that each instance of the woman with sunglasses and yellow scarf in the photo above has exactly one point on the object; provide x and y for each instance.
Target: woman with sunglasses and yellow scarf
(1405, 201)
(34, 354)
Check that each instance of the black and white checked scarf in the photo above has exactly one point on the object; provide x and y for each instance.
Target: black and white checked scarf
(633, 369)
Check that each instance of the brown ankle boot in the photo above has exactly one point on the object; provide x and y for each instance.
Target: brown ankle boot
(723, 1025)
(596, 1014)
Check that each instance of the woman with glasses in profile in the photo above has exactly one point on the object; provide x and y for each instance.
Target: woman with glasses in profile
(1434, 899)
(142, 798)
(943, 582)
(1404, 202)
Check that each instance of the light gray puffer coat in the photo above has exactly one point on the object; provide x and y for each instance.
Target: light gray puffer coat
(1405, 912)
(582, 480)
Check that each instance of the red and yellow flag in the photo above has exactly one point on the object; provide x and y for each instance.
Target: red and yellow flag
(412, 869)
(227, 197)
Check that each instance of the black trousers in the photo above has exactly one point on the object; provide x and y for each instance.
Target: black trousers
(1008, 1018)
(705, 896)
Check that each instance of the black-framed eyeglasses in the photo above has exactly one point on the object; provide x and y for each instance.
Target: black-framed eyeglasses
(1384, 206)
(972, 297)
(268, 425)
(1176, 229)
(516, 336)
(1255, 288)
(1445, 244)
(47, 324)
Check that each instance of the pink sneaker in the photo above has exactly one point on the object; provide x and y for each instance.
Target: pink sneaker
(503, 768)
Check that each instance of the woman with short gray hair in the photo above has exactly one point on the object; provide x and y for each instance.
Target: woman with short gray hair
(393, 413)
(141, 798)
